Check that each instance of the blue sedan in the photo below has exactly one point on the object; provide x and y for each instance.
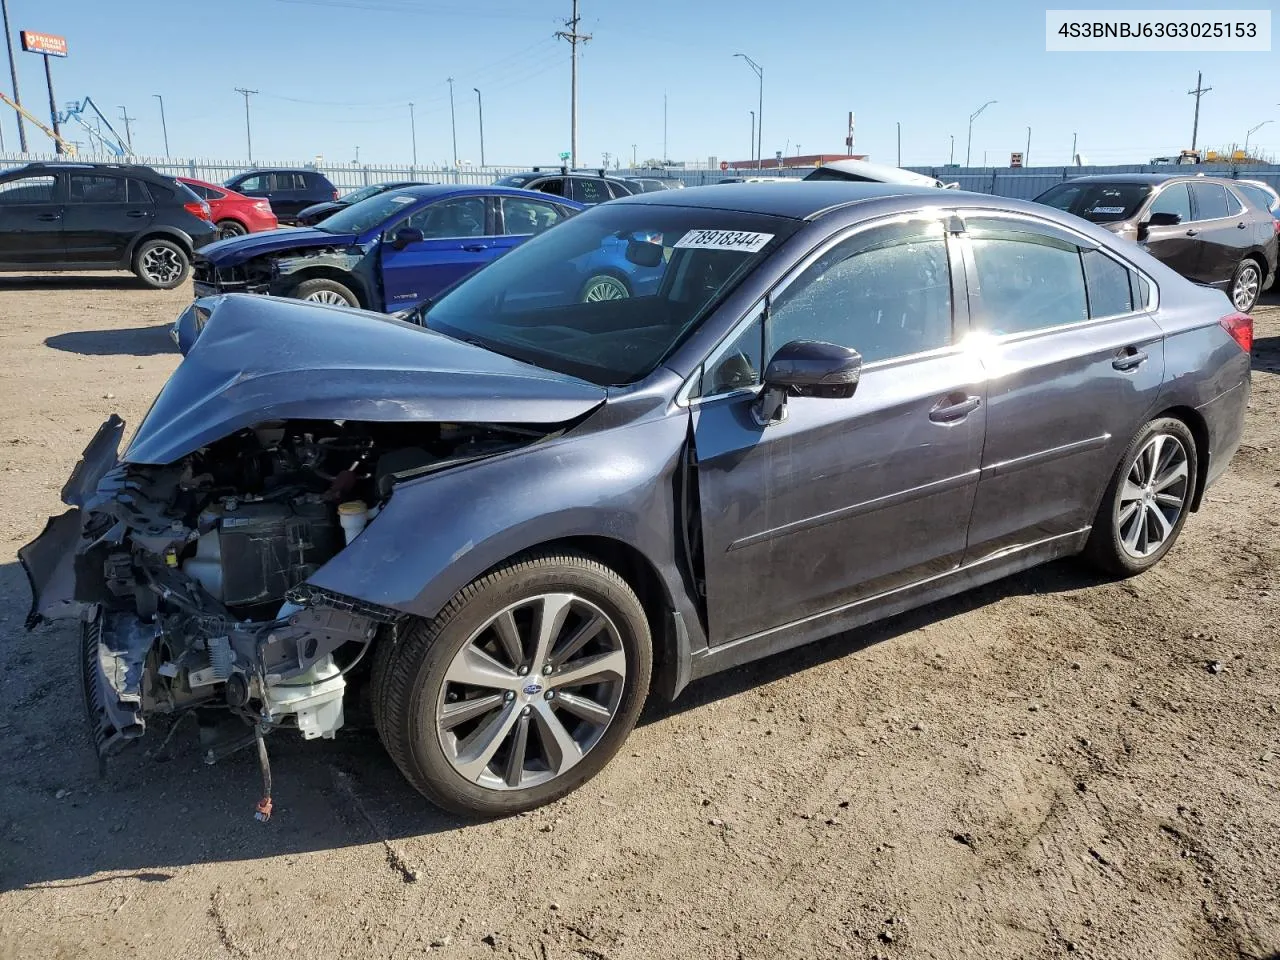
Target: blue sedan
(391, 252)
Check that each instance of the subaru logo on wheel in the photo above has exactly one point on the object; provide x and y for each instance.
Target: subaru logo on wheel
(532, 689)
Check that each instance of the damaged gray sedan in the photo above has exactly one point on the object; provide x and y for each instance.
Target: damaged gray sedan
(510, 521)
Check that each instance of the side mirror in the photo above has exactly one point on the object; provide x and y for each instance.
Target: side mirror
(644, 254)
(405, 236)
(806, 368)
(1163, 220)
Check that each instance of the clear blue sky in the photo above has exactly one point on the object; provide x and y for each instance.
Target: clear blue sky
(334, 74)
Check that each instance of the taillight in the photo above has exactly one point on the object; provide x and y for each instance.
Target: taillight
(198, 209)
(1240, 326)
(262, 205)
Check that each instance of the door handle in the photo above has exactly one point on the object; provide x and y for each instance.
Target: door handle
(1192, 233)
(476, 247)
(136, 213)
(954, 407)
(1130, 358)
(48, 217)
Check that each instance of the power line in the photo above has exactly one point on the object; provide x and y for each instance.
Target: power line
(574, 38)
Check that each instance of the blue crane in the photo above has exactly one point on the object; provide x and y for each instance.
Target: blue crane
(110, 141)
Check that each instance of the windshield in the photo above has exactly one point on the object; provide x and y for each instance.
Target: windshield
(607, 295)
(1098, 202)
(367, 214)
(364, 193)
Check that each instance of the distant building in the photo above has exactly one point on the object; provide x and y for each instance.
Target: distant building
(808, 160)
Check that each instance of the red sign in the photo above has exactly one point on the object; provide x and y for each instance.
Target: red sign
(50, 44)
(724, 165)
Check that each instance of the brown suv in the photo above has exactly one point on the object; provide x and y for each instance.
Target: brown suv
(1205, 228)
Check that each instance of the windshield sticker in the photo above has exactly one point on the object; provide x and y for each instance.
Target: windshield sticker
(403, 199)
(743, 241)
(1107, 210)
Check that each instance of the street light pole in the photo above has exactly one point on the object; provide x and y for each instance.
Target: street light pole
(13, 74)
(453, 120)
(952, 161)
(413, 134)
(752, 151)
(1252, 131)
(1026, 157)
(163, 126)
(759, 70)
(480, 107)
(899, 143)
(973, 116)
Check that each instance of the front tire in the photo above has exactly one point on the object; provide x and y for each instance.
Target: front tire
(1147, 500)
(520, 690)
(325, 291)
(161, 264)
(604, 286)
(231, 228)
(1246, 285)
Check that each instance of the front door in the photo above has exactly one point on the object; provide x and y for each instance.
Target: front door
(1176, 246)
(31, 210)
(103, 215)
(459, 237)
(843, 499)
(1074, 366)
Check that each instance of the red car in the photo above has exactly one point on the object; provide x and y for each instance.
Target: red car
(234, 214)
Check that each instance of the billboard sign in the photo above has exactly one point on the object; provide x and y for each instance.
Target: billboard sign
(50, 44)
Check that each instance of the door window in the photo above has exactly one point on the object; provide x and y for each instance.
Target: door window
(589, 190)
(886, 293)
(1234, 206)
(1107, 280)
(463, 217)
(1264, 200)
(139, 192)
(1025, 280)
(287, 181)
(1211, 201)
(522, 217)
(554, 186)
(27, 190)
(256, 182)
(89, 188)
(1175, 200)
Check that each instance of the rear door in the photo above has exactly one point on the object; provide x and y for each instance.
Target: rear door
(104, 213)
(1176, 246)
(589, 190)
(459, 237)
(288, 193)
(31, 210)
(1223, 230)
(1074, 364)
(519, 218)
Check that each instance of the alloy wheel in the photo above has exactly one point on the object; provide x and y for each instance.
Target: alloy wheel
(604, 288)
(1153, 496)
(162, 264)
(330, 297)
(531, 692)
(1244, 292)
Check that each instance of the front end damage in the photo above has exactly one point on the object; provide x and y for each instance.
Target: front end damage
(189, 580)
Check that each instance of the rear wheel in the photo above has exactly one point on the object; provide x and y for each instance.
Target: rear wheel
(325, 291)
(1246, 285)
(604, 286)
(231, 228)
(1147, 500)
(161, 264)
(521, 690)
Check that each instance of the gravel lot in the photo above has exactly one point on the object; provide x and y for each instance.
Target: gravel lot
(1049, 765)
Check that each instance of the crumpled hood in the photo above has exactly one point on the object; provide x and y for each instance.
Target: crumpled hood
(233, 250)
(261, 358)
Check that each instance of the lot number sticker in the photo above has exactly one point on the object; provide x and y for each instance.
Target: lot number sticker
(743, 241)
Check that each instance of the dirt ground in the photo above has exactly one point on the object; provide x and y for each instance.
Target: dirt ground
(1051, 765)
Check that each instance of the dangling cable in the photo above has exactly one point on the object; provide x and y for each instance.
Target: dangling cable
(263, 813)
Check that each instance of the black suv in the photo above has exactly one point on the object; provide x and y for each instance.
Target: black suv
(100, 216)
(586, 187)
(289, 191)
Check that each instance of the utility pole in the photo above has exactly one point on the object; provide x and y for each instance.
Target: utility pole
(633, 156)
(1198, 92)
(248, 131)
(952, 161)
(453, 121)
(413, 134)
(163, 126)
(899, 143)
(665, 157)
(1073, 149)
(759, 72)
(13, 74)
(480, 107)
(1026, 157)
(124, 115)
(574, 38)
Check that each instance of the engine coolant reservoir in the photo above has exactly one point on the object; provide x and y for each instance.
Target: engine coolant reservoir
(206, 566)
(314, 697)
(353, 515)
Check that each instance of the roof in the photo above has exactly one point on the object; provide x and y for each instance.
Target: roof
(428, 190)
(800, 199)
(1147, 178)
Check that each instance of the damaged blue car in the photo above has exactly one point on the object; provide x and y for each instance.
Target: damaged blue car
(507, 524)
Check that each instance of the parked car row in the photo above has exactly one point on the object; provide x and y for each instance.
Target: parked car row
(533, 509)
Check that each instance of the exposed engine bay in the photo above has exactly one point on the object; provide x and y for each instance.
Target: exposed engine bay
(190, 578)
